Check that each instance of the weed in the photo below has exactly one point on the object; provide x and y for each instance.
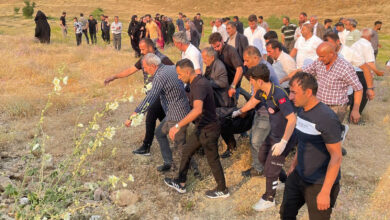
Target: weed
(28, 9)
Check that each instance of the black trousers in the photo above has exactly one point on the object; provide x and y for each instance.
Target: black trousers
(103, 36)
(208, 139)
(78, 38)
(85, 32)
(298, 192)
(364, 101)
(135, 45)
(155, 112)
(93, 37)
(107, 36)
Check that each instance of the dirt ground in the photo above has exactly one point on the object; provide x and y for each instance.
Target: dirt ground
(28, 68)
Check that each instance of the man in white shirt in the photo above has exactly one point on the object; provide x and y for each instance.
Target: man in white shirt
(255, 34)
(302, 20)
(305, 47)
(220, 28)
(116, 30)
(188, 51)
(342, 32)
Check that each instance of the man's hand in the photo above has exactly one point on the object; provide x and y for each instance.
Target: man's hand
(231, 92)
(128, 121)
(323, 201)
(380, 73)
(277, 149)
(236, 113)
(355, 116)
(370, 94)
(108, 80)
(172, 132)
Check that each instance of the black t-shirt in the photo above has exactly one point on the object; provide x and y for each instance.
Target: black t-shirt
(200, 89)
(63, 20)
(315, 128)
(278, 106)
(199, 25)
(92, 25)
(164, 60)
(229, 56)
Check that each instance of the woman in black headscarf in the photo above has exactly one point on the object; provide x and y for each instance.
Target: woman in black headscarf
(134, 34)
(42, 29)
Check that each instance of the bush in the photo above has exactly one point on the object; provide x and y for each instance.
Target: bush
(28, 9)
(16, 10)
(97, 12)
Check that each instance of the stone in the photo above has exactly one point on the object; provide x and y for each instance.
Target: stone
(131, 210)
(4, 182)
(124, 197)
(24, 201)
(95, 217)
(98, 194)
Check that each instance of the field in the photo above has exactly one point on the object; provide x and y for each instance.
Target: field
(28, 69)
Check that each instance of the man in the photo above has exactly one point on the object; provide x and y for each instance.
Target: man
(315, 181)
(155, 111)
(221, 29)
(239, 25)
(334, 75)
(263, 23)
(374, 38)
(84, 22)
(152, 30)
(93, 28)
(305, 47)
(302, 19)
(107, 29)
(318, 29)
(116, 30)
(229, 56)
(328, 26)
(236, 40)
(342, 32)
(188, 50)
(78, 30)
(205, 134)
(198, 22)
(102, 24)
(170, 89)
(283, 63)
(288, 31)
(272, 35)
(354, 34)
(261, 125)
(255, 34)
(63, 26)
(180, 23)
(277, 144)
(191, 33)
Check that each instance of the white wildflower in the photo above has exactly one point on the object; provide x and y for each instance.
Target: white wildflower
(131, 178)
(113, 106)
(47, 158)
(65, 80)
(109, 133)
(56, 83)
(67, 216)
(35, 147)
(113, 180)
(124, 184)
(137, 120)
(80, 125)
(131, 99)
(57, 88)
(95, 127)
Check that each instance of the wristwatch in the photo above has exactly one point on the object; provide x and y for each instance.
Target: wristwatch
(177, 126)
(371, 88)
(233, 86)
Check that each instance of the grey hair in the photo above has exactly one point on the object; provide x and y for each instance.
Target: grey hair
(219, 19)
(353, 22)
(152, 59)
(366, 32)
(309, 27)
(180, 37)
(314, 16)
(210, 52)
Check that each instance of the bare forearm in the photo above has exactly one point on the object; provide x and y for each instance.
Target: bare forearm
(331, 173)
(373, 67)
(290, 126)
(357, 99)
(293, 52)
(237, 76)
(367, 75)
(126, 72)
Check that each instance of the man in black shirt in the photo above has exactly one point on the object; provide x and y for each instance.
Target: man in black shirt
(102, 25)
(198, 22)
(239, 25)
(205, 134)
(278, 142)
(64, 28)
(156, 110)
(93, 28)
(315, 171)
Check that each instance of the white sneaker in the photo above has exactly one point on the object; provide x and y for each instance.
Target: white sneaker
(344, 132)
(263, 205)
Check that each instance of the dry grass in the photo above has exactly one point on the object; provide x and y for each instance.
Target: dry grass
(28, 69)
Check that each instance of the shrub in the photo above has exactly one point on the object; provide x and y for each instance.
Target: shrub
(16, 10)
(97, 12)
(28, 9)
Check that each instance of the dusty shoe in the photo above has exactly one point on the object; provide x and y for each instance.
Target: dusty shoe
(144, 150)
(226, 154)
(215, 194)
(251, 172)
(163, 168)
(263, 205)
(174, 183)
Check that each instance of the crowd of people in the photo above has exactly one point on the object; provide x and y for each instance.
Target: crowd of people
(305, 89)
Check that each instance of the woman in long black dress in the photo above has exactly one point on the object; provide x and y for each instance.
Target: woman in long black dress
(42, 29)
(134, 34)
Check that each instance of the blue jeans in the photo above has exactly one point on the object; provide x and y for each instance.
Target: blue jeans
(260, 130)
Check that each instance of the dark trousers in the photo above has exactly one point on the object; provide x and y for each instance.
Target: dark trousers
(135, 45)
(93, 37)
(273, 165)
(298, 192)
(85, 32)
(103, 36)
(78, 38)
(244, 93)
(155, 112)
(364, 101)
(107, 36)
(208, 139)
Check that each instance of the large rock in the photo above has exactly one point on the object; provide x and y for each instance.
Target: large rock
(124, 197)
(4, 182)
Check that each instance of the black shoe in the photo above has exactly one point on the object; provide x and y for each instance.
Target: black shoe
(244, 135)
(163, 168)
(143, 150)
(343, 151)
(197, 173)
(215, 194)
(251, 172)
(174, 183)
(226, 154)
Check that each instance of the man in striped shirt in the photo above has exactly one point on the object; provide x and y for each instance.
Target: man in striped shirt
(288, 31)
(170, 89)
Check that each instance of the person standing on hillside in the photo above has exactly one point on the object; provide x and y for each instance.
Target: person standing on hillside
(63, 26)
(42, 29)
(302, 19)
(198, 22)
(374, 38)
(170, 31)
(134, 34)
(116, 29)
(354, 34)
(78, 29)
(84, 21)
(102, 24)
(328, 26)
(318, 29)
(188, 51)
(107, 29)
(180, 23)
(152, 30)
(255, 34)
(220, 28)
(93, 29)
(288, 31)
(263, 23)
(191, 33)
(239, 25)
(342, 32)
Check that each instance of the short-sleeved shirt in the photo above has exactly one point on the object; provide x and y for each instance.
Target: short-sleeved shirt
(352, 37)
(199, 25)
(164, 60)
(288, 31)
(374, 39)
(153, 29)
(180, 24)
(79, 27)
(229, 56)
(288, 65)
(92, 25)
(200, 89)
(364, 47)
(84, 22)
(279, 107)
(264, 25)
(63, 20)
(314, 129)
(192, 53)
(256, 38)
(306, 50)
